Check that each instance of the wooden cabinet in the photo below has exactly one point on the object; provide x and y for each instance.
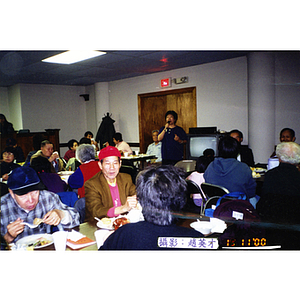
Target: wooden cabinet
(24, 140)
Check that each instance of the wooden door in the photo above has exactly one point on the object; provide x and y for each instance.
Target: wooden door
(153, 107)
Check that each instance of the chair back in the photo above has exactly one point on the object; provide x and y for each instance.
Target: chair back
(188, 165)
(212, 192)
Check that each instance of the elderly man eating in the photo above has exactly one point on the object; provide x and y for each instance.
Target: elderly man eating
(109, 193)
(26, 201)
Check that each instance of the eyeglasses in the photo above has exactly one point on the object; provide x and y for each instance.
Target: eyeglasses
(8, 154)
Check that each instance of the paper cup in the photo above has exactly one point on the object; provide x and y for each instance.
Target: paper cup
(134, 215)
(101, 235)
(125, 154)
(60, 240)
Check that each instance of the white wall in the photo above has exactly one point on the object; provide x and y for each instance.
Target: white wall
(4, 108)
(221, 96)
(54, 106)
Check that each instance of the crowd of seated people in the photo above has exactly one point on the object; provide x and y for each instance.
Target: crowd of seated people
(98, 178)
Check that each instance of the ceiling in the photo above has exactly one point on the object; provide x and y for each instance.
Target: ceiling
(27, 66)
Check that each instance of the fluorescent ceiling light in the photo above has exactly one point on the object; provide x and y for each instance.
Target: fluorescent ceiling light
(72, 56)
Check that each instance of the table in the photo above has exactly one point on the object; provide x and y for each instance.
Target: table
(142, 158)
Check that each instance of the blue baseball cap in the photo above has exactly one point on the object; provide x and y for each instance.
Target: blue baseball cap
(24, 180)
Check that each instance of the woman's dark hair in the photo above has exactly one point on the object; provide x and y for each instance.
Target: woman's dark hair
(228, 147)
(9, 149)
(88, 133)
(41, 164)
(118, 136)
(202, 163)
(85, 140)
(173, 113)
(161, 190)
(71, 143)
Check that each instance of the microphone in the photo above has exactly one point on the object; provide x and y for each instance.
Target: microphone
(169, 122)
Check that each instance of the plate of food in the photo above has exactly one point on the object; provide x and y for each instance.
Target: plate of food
(36, 241)
(106, 223)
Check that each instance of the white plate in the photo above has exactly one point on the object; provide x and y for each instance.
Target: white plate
(30, 239)
(103, 226)
(65, 172)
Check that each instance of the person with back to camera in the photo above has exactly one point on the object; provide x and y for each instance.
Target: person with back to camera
(245, 153)
(109, 193)
(90, 136)
(51, 180)
(286, 135)
(173, 138)
(226, 171)
(88, 168)
(197, 176)
(280, 199)
(5, 126)
(160, 190)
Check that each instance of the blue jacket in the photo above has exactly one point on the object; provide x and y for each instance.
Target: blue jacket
(231, 174)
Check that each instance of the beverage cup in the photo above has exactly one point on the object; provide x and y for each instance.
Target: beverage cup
(60, 240)
(134, 215)
(101, 235)
(126, 154)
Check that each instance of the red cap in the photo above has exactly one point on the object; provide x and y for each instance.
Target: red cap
(109, 151)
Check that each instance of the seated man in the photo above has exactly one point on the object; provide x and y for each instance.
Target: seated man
(245, 153)
(109, 193)
(155, 148)
(72, 145)
(160, 190)
(26, 201)
(286, 135)
(120, 144)
(53, 157)
(88, 168)
(225, 170)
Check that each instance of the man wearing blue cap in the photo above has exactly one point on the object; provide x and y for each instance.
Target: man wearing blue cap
(26, 201)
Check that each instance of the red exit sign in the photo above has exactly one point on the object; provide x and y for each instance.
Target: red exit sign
(165, 82)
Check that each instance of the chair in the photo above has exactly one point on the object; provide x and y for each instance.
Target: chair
(80, 207)
(213, 193)
(188, 165)
(193, 188)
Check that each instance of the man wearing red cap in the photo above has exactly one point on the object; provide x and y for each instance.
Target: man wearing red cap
(109, 193)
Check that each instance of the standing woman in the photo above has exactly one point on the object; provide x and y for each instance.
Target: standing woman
(173, 138)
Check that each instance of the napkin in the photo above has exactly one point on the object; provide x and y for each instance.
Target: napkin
(76, 240)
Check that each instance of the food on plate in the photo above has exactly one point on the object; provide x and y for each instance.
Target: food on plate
(106, 221)
(42, 241)
(37, 221)
(120, 222)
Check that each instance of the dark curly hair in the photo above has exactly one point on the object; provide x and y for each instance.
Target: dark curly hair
(161, 190)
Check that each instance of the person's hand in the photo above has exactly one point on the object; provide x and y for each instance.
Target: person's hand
(13, 230)
(53, 156)
(53, 217)
(176, 138)
(5, 177)
(167, 125)
(131, 202)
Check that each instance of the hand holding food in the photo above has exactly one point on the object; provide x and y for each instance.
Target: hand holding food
(53, 217)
